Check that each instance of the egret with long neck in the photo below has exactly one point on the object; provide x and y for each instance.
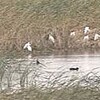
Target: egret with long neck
(28, 46)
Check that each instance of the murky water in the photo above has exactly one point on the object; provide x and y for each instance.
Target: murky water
(53, 70)
(84, 62)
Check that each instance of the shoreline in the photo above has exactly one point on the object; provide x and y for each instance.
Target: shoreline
(35, 53)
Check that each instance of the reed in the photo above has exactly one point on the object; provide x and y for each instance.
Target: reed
(22, 21)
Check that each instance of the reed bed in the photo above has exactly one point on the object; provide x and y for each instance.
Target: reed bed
(23, 21)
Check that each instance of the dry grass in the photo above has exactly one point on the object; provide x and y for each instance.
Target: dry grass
(64, 94)
(22, 21)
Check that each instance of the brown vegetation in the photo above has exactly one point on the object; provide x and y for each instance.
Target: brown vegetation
(22, 21)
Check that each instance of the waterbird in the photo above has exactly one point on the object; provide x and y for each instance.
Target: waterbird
(74, 69)
(28, 46)
(86, 37)
(51, 38)
(86, 29)
(96, 37)
(37, 62)
(72, 34)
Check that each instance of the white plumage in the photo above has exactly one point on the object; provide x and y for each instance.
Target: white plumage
(51, 38)
(96, 37)
(86, 38)
(86, 29)
(28, 46)
(72, 34)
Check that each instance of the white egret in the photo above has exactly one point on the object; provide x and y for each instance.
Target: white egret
(72, 34)
(96, 37)
(51, 38)
(86, 29)
(28, 46)
(86, 38)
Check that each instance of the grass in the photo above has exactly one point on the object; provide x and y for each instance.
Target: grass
(65, 94)
(22, 21)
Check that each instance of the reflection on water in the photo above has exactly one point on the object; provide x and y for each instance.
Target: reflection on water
(20, 73)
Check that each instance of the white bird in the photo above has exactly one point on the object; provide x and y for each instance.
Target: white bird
(86, 38)
(96, 37)
(28, 46)
(51, 38)
(86, 29)
(72, 34)
(29, 56)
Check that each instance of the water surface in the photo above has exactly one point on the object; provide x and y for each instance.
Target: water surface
(53, 70)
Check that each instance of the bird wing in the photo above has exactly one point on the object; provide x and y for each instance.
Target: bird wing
(86, 37)
(25, 46)
(29, 48)
(51, 38)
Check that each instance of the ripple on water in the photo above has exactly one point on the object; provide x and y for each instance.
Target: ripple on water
(54, 69)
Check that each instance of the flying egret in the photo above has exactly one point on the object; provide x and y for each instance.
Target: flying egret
(51, 38)
(72, 34)
(86, 29)
(96, 37)
(28, 46)
(86, 37)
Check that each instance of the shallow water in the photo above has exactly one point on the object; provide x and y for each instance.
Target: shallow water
(83, 62)
(53, 70)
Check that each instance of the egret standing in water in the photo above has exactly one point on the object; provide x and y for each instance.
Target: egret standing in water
(86, 29)
(28, 46)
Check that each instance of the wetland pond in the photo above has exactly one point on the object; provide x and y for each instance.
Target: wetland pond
(53, 71)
